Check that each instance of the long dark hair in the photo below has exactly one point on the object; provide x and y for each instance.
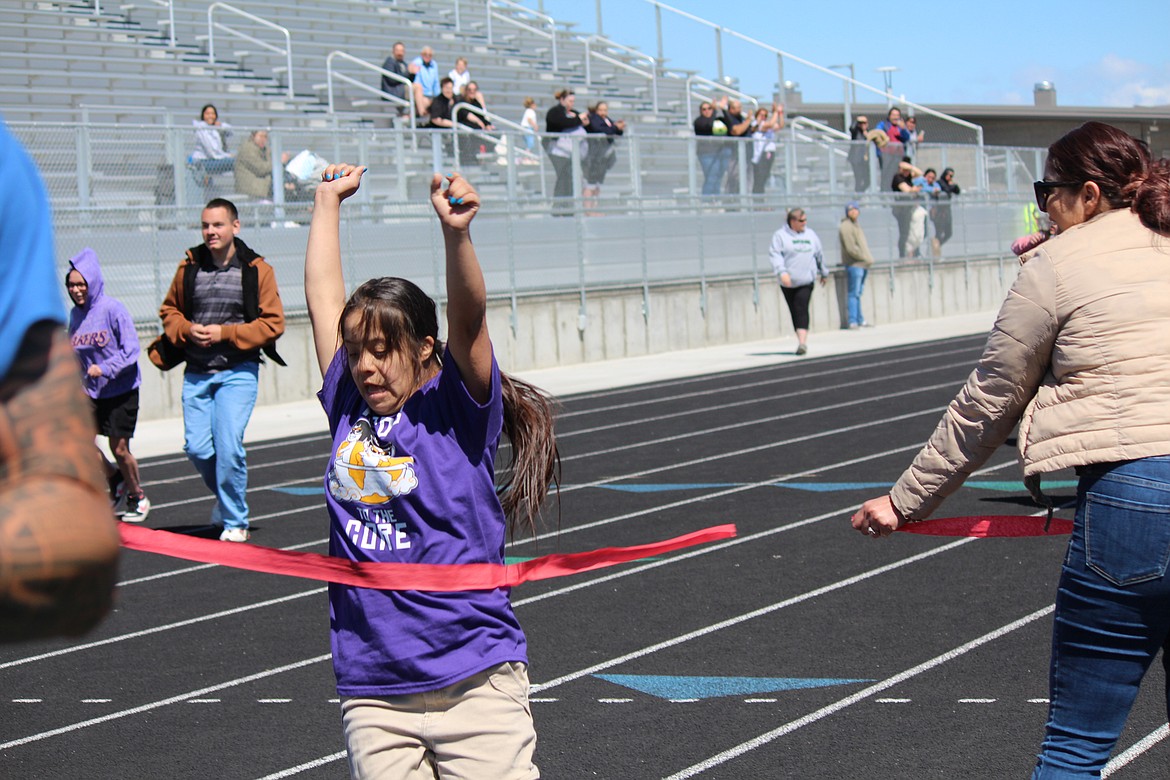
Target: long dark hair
(1121, 166)
(398, 312)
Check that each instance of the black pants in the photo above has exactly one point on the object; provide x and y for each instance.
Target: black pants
(798, 299)
(860, 174)
(943, 228)
(903, 215)
(761, 170)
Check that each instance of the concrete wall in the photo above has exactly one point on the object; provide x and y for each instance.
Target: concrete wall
(622, 323)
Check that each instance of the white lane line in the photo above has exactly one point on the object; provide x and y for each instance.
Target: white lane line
(543, 701)
(204, 701)
(675, 383)
(758, 400)
(752, 423)
(194, 475)
(1038, 701)
(862, 695)
(148, 631)
(154, 705)
(1140, 747)
(614, 701)
(296, 770)
(273, 701)
(892, 701)
(684, 556)
(96, 701)
(976, 701)
(27, 701)
(251, 447)
(745, 617)
(760, 701)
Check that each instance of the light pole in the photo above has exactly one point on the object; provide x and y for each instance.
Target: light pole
(887, 72)
(850, 93)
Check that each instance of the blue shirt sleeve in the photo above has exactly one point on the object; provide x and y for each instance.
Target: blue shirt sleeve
(29, 287)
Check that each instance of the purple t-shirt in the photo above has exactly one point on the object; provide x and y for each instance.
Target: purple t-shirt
(415, 487)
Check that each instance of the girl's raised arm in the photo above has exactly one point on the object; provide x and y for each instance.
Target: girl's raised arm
(467, 333)
(324, 283)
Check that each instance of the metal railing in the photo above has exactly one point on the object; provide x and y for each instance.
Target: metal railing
(521, 10)
(331, 75)
(212, 26)
(141, 205)
(590, 53)
(725, 89)
(781, 55)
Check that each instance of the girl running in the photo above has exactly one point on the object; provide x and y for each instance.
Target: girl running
(431, 684)
(103, 336)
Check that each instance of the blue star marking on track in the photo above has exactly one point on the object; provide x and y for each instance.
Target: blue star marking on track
(667, 687)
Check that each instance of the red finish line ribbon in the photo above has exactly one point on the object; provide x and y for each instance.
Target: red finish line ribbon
(401, 576)
(988, 526)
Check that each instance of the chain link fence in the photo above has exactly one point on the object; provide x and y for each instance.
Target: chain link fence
(134, 194)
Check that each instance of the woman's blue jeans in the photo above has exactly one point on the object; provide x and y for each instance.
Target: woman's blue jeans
(1112, 613)
(856, 275)
(714, 167)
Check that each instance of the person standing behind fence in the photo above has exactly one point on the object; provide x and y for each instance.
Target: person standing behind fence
(712, 127)
(564, 119)
(859, 151)
(943, 218)
(602, 156)
(432, 684)
(222, 310)
(857, 259)
(906, 201)
(765, 127)
(1078, 359)
(58, 540)
(102, 333)
(799, 261)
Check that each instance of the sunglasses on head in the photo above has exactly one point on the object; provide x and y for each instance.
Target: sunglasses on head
(1044, 189)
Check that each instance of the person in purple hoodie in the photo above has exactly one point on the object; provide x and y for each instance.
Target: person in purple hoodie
(432, 684)
(103, 336)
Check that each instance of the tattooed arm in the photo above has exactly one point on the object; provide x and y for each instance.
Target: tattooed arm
(58, 540)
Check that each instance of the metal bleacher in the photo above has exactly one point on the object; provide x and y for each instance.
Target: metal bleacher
(81, 62)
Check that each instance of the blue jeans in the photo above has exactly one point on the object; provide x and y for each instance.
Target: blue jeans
(216, 409)
(714, 166)
(1112, 613)
(856, 276)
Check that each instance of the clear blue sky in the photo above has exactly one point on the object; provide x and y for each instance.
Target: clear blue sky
(993, 51)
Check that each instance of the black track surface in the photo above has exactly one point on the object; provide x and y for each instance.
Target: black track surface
(205, 671)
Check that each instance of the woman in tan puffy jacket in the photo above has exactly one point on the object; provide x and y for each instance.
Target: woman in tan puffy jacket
(1080, 357)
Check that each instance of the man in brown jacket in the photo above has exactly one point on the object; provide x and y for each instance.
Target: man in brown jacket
(222, 311)
(857, 259)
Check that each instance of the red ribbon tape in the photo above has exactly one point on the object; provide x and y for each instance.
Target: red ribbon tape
(986, 526)
(401, 576)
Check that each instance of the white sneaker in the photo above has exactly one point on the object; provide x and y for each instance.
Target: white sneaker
(234, 535)
(135, 509)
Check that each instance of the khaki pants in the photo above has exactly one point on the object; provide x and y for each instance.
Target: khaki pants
(474, 729)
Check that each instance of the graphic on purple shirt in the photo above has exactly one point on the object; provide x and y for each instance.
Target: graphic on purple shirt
(102, 333)
(415, 487)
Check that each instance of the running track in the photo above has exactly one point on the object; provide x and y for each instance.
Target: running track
(797, 650)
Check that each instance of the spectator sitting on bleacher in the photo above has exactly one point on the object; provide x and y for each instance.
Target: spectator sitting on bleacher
(254, 166)
(396, 63)
(210, 136)
(460, 75)
(468, 142)
(440, 108)
(425, 72)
